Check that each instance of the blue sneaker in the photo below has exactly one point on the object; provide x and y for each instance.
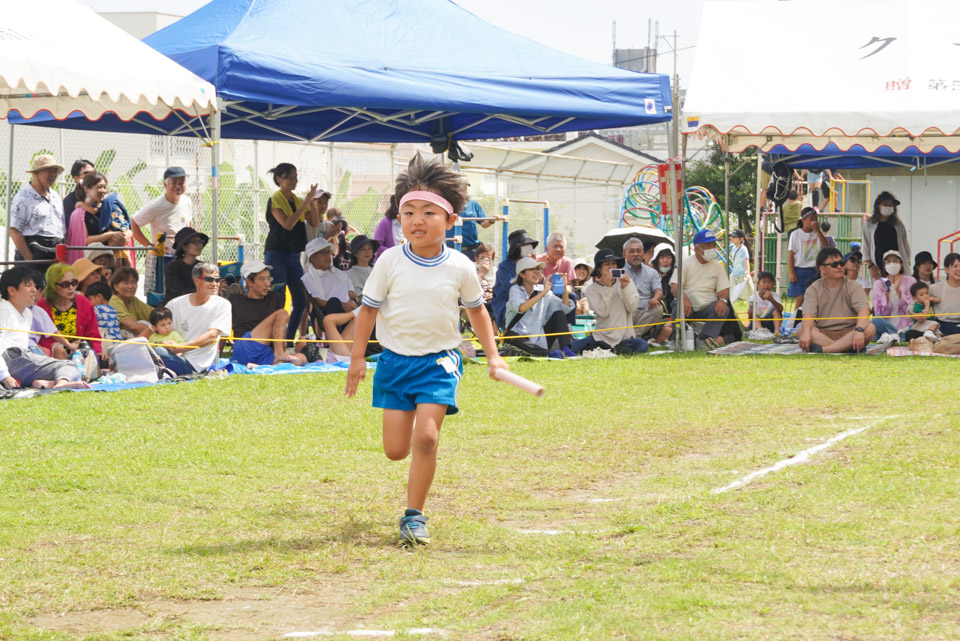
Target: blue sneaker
(413, 529)
(569, 353)
(555, 354)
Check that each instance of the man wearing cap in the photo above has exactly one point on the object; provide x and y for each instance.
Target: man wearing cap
(805, 242)
(649, 286)
(36, 213)
(201, 318)
(705, 292)
(167, 214)
(331, 289)
(178, 274)
(614, 301)
(258, 317)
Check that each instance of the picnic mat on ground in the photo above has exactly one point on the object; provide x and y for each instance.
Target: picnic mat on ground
(746, 347)
(905, 351)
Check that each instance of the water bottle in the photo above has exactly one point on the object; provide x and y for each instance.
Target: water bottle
(688, 339)
(77, 360)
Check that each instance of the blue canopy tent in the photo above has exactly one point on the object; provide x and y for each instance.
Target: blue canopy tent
(383, 71)
(857, 157)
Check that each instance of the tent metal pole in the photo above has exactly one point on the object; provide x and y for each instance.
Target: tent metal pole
(6, 238)
(256, 196)
(757, 245)
(674, 146)
(214, 176)
(726, 206)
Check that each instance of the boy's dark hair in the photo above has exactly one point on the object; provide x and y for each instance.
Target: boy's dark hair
(78, 167)
(766, 276)
(917, 287)
(825, 226)
(826, 254)
(282, 170)
(484, 248)
(431, 175)
(122, 275)
(160, 313)
(99, 288)
(15, 277)
(648, 245)
(392, 211)
(792, 194)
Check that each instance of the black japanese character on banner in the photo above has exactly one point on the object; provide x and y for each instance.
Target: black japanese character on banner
(875, 40)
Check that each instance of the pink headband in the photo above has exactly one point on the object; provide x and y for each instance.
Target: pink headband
(428, 196)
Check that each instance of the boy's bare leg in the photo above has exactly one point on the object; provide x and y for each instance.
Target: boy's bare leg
(330, 332)
(423, 444)
(59, 352)
(777, 321)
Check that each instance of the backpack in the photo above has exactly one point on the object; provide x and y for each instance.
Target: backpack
(779, 183)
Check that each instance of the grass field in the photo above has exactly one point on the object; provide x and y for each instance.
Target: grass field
(256, 507)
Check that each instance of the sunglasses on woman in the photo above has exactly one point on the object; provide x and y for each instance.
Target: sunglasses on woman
(66, 284)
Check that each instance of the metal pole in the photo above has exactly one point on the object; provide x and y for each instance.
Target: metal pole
(256, 193)
(214, 176)
(758, 248)
(726, 205)
(6, 238)
(677, 218)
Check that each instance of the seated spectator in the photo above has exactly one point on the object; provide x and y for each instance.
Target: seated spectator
(163, 336)
(71, 312)
(825, 228)
(323, 207)
(87, 273)
(948, 293)
(664, 262)
(647, 282)
(338, 328)
(534, 309)
(831, 301)
(805, 241)
(765, 304)
(133, 313)
(85, 221)
(330, 289)
(166, 214)
(705, 292)
(582, 269)
(201, 318)
(102, 256)
(260, 320)
(178, 274)
(43, 327)
(342, 258)
(851, 266)
(649, 247)
(108, 322)
(362, 249)
(891, 297)
(520, 245)
(19, 367)
(555, 258)
(923, 266)
(614, 301)
(922, 310)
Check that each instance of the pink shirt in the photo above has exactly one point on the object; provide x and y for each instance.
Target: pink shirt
(563, 266)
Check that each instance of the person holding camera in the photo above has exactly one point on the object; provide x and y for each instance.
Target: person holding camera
(613, 298)
(534, 310)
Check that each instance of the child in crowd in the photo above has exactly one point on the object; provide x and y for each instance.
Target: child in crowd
(533, 309)
(362, 249)
(485, 257)
(161, 320)
(107, 319)
(581, 267)
(412, 295)
(925, 321)
(765, 304)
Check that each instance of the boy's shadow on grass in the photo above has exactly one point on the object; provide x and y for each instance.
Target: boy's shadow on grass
(364, 533)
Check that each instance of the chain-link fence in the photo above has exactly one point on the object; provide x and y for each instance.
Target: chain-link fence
(360, 177)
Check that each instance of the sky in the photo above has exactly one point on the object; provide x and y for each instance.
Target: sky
(579, 27)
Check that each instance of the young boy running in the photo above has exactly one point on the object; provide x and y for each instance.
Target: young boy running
(411, 296)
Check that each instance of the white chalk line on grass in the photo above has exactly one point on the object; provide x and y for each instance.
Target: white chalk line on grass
(375, 634)
(801, 457)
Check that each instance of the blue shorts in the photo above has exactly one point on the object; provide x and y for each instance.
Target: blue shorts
(804, 276)
(403, 382)
(252, 352)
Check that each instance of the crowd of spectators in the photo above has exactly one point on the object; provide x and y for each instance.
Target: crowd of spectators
(319, 262)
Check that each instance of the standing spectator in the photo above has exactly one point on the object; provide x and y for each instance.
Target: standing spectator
(740, 265)
(647, 283)
(71, 312)
(36, 213)
(891, 297)
(534, 310)
(614, 301)
(948, 294)
(706, 289)
(388, 232)
(805, 242)
(323, 207)
(287, 214)
(814, 182)
(201, 318)
(469, 240)
(555, 258)
(178, 274)
(882, 232)
(18, 365)
(85, 220)
(791, 211)
(485, 255)
(831, 301)
(80, 169)
(133, 313)
(923, 266)
(260, 320)
(519, 245)
(166, 214)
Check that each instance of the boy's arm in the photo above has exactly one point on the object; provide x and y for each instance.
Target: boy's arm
(483, 328)
(357, 371)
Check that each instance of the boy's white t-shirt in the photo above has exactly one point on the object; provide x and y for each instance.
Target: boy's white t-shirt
(324, 285)
(192, 320)
(417, 299)
(805, 247)
(11, 319)
(761, 306)
(164, 217)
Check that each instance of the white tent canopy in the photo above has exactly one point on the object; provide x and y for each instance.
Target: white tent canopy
(875, 73)
(61, 57)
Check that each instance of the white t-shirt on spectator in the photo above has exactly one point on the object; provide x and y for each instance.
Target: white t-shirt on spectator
(333, 283)
(761, 306)
(949, 301)
(418, 299)
(164, 217)
(11, 319)
(805, 247)
(193, 320)
(701, 282)
(359, 276)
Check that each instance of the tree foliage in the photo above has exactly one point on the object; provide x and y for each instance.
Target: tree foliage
(743, 183)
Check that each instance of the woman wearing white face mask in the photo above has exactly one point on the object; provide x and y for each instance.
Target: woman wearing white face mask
(884, 231)
(891, 297)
